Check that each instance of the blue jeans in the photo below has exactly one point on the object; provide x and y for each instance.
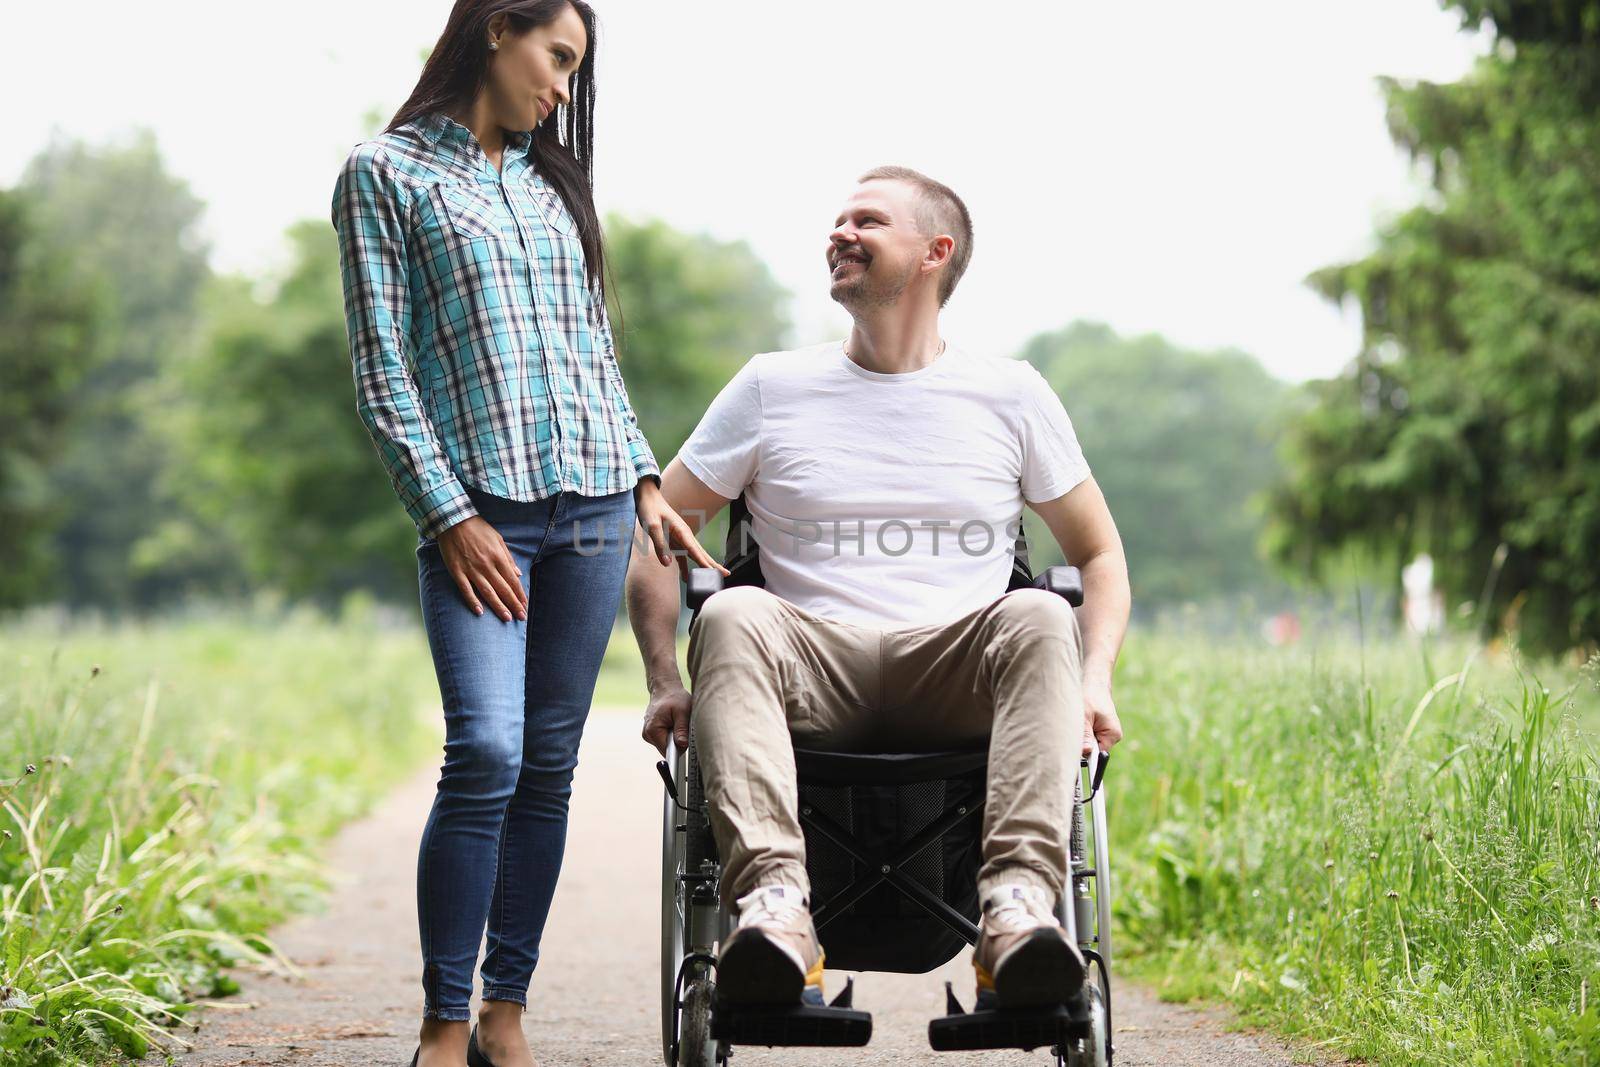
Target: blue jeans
(515, 696)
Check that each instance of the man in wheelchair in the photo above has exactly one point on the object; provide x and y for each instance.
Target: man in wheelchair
(885, 479)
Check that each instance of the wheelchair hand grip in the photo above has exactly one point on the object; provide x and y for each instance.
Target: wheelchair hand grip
(1099, 772)
(1064, 582)
(665, 770)
(703, 581)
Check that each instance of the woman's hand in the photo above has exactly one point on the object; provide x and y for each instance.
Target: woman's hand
(477, 558)
(667, 530)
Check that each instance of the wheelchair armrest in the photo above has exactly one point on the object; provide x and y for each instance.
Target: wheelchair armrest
(1064, 582)
(703, 581)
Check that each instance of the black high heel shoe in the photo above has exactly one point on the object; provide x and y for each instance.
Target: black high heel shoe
(475, 1056)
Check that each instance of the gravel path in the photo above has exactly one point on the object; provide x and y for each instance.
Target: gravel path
(594, 1000)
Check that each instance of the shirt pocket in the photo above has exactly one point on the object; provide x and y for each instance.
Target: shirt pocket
(553, 211)
(472, 210)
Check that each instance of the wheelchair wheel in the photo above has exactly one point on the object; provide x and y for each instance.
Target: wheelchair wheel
(1091, 1050)
(674, 911)
(698, 848)
(1099, 1040)
(691, 922)
(696, 1047)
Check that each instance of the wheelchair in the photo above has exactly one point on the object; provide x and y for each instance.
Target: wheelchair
(892, 852)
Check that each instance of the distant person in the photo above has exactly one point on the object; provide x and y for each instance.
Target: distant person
(485, 373)
(886, 478)
(1421, 603)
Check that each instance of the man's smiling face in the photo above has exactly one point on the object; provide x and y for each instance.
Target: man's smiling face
(876, 245)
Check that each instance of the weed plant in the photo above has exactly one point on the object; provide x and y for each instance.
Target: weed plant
(162, 791)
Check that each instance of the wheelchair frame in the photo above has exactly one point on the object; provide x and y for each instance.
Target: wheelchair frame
(694, 923)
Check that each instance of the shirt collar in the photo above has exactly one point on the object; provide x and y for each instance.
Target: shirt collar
(436, 126)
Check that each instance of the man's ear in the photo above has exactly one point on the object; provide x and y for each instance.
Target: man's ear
(940, 249)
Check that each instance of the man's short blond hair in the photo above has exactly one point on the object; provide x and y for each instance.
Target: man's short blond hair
(939, 211)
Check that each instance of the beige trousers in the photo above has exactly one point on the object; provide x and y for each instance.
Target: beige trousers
(766, 675)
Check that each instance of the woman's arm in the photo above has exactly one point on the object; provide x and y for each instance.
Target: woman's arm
(644, 460)
(370, 213)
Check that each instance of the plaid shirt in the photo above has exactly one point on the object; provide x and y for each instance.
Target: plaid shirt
(481, 355)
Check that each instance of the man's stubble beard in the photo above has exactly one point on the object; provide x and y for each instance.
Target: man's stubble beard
(860, 294)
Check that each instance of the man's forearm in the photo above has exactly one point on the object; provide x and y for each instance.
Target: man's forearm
(653, 613)
(1103, 619)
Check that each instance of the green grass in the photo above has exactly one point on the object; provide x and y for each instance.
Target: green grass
(1395, 856)
(162, 791)
(1396, 861)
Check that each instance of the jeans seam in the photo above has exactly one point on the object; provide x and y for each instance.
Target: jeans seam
(550, 525)
(447, 687)
(500, 891)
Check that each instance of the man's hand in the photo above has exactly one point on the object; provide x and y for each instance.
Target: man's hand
(668, 716)
(1100, 723)
(477, 558)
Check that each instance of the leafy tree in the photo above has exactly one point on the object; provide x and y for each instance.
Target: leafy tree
(1567, 21)
(693, 310)
(276, 459)
(50, 331)
(122, 228)
(1469, 424)
(1181, 444)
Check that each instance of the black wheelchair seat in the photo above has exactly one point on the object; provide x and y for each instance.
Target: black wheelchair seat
(892, 852)
(852, 768)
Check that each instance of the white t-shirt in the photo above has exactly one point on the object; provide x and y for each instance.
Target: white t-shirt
(886, 500)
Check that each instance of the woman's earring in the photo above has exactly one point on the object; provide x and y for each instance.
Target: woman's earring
(494, 46)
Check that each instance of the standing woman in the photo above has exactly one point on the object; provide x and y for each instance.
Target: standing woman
(472, 264)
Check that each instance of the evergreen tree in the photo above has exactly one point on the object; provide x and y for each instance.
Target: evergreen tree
(1469, 424)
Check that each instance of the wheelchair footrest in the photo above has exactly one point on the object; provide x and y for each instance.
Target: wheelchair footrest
(1024, 1028)
(790, 1025)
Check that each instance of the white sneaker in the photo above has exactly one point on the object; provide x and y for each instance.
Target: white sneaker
(773, 957)
(1023, 957)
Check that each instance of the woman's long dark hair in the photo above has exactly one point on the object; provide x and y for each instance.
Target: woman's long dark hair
(458, 69)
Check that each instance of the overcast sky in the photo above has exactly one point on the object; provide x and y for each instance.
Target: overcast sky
(1161, 166)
